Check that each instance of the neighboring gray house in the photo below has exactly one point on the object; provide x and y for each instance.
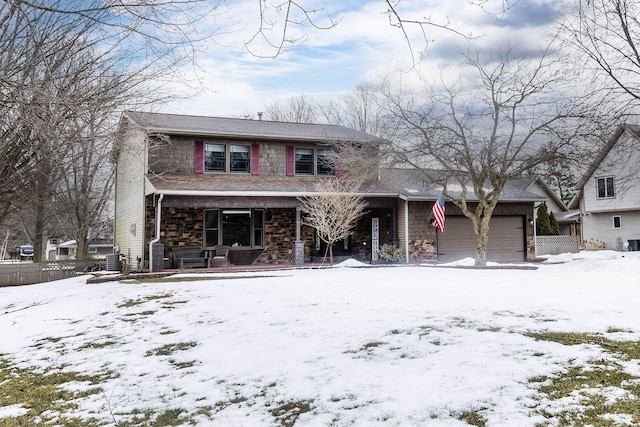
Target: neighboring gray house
(210, 182)
(608, 195)
(568, 219)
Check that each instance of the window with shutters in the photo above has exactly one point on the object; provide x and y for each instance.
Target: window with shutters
(310, 161)
(223, 158)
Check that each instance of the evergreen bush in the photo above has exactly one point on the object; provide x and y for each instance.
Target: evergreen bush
(553, 223)
(543, 225)
(391, 253)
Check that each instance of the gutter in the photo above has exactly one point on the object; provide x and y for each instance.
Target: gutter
(210, 193)
(157, 238)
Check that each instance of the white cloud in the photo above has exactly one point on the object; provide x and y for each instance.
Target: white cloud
(363, 44)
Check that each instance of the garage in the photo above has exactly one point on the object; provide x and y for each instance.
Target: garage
(506, 239)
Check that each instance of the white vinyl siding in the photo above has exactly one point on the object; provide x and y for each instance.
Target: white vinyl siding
(599, 227)
(623, 164)
(130, 194)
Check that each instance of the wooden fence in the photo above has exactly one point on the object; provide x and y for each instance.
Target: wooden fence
(554, 245)
(27, 273)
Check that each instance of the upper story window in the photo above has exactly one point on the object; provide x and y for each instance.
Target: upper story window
(304, 161)
(606, 188)
(239, 159)
(310, 161)
(217, 157)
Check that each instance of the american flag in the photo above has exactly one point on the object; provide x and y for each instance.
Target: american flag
(437, 212)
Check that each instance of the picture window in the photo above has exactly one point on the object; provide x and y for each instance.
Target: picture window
(234, 227)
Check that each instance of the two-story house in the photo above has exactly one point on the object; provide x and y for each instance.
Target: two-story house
(213, 182)
(608, 194)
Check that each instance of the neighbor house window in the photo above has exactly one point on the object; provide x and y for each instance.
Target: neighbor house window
(617, 221)
(234, 227)
(606, 188)
(310, 161)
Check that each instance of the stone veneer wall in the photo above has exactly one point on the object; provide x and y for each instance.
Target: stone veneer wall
(422, 236)
(176, 155)
(280, 234)
(184, 227)
(179, 227)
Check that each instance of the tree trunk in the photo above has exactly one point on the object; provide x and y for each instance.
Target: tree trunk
(82, 247)
(481, 229)
(330, 253)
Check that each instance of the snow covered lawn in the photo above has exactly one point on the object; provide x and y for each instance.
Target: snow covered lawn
(395, 346)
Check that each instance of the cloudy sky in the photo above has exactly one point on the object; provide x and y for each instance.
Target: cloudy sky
(239, 80)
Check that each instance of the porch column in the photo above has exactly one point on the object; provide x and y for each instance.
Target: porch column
(298, 245)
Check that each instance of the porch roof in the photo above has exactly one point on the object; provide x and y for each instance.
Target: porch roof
(245, 185)
(396, 183)
(413, 184)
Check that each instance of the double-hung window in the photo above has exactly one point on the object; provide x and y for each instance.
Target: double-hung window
(234, 227)
(326, 162)
(223, 158)
(215, 157)
(239, 159)
(606, 188)
(304, 161)
(310, 161)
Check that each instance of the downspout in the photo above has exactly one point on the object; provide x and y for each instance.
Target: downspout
(157, 238)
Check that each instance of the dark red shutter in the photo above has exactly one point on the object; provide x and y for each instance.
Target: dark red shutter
(291, 160)
(255, 159)
(198, 157)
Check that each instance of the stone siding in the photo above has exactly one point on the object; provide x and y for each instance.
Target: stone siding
(280, 235)
(176, 155)
(422, 241)
(184, 227)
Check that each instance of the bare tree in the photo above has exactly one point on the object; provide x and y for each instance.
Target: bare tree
(608, 33)
(285, 23)
(66, 70)
(333, 210)
(295, 109)
(519, 115)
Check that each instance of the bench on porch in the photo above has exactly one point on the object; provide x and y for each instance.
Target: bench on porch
(189, 257)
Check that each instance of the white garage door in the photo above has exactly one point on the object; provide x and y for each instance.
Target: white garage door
(506, 239)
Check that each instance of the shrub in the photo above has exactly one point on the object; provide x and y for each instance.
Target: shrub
(391, 253)
(592, 245)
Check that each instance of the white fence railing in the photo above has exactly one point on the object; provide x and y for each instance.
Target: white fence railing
(554, 245)
(27, 273)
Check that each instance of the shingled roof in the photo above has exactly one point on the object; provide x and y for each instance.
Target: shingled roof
(177, 124)
(405, 183)
(634, 130)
